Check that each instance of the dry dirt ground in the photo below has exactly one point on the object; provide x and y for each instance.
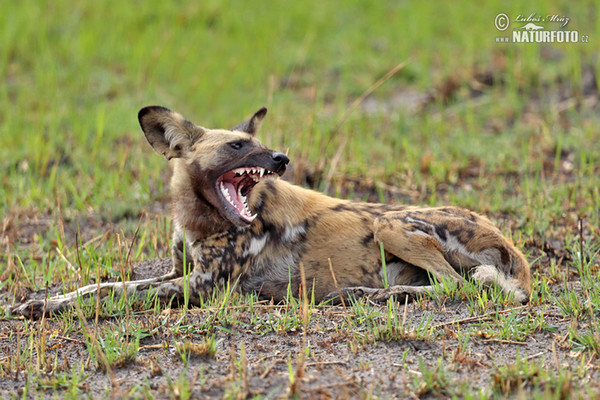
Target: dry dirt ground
(259, 354)
(339, 364)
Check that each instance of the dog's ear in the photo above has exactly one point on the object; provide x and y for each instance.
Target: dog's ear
(251, 126)
(168, 132)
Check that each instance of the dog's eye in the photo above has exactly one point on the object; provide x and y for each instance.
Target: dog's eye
(236, 145)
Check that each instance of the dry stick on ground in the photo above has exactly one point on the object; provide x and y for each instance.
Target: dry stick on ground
(477, 318)
(503, 341)
(135, 236)
(17, 362)
(349, 111)
(367, 92)
(97, 297)
(42, 341)
(334, 162)
(61, 226)
(71, 267)
(92, 240)
(312, 364)
(244, 372)
(95, 344)
(69, 339)
(295, 386)
(335, 283)
(78, 254)
(404, 316)
(585, 290)
(126, 265)
(270, 367)
(536, 355)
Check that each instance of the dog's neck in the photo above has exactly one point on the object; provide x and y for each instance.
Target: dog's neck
(192, 211)
(199, 218)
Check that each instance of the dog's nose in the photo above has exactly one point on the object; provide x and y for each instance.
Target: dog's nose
(280, 158)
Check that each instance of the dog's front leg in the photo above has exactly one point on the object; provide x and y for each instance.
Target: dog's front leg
(36, 308)
(195, 286)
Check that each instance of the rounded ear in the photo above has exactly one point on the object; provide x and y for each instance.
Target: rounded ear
(251, 126)
(168, 132)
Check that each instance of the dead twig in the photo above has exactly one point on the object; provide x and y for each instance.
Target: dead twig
(504, 341)
(347, 113)
(312, 364)
(477, 318)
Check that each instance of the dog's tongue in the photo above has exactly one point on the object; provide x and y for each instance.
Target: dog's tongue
(233, 195)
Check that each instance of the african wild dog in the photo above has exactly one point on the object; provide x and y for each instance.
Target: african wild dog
(237, 221)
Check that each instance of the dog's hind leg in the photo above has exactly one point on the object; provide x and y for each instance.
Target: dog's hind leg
(399, 292)
(445, 241)
(413, 247)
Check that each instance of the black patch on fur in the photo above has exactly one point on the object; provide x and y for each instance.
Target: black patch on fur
(341, 207)
(421, 227)
(455, 232)
(504, 256)
(384, 222)
(365, 271)
(440, 230)
(470, 234)
(368, 239)
(272, 188)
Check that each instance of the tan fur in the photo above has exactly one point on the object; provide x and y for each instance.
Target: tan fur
(295, 226)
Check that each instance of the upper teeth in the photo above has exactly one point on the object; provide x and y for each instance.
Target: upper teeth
(253, 171)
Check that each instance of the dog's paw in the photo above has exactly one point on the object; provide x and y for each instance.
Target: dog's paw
(398, 293)
(376, 295)
(347, 293)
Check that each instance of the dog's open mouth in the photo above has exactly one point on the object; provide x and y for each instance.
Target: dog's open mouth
(236, 185)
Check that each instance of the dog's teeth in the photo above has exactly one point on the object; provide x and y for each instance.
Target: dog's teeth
(225, 193)
(261, 172)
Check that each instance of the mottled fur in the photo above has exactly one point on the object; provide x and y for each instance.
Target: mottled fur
(295, 226)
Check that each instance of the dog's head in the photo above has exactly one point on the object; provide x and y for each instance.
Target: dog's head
(224, 165)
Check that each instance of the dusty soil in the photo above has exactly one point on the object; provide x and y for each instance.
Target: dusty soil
(338, 366)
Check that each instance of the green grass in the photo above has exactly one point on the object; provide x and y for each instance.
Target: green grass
(508, 130)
